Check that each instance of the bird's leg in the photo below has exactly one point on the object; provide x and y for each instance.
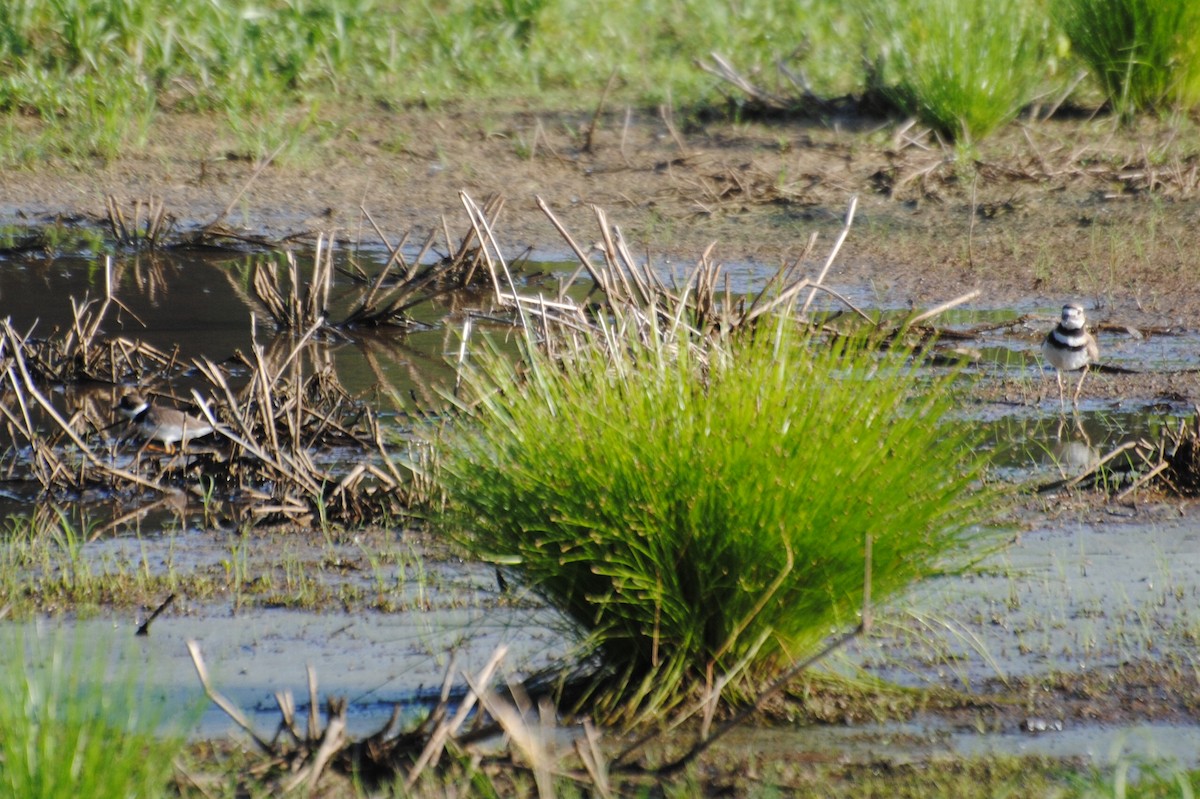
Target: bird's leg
(1079, 386)
(1062, 402)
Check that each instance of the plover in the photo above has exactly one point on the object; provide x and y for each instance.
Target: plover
(164, 425)
(1069, 347)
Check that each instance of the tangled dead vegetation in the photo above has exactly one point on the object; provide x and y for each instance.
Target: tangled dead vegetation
(460, 731)
(700, 311)
(382, 300)
(1170, 466)
(281, 421)
(292, 444)
(289, 442)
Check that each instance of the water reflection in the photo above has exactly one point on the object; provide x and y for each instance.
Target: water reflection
(1069, 445)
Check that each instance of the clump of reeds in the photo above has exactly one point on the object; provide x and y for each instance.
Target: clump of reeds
(694, 484)
(292, 407)
(1144, 53)
(384, 299)
(149, 226)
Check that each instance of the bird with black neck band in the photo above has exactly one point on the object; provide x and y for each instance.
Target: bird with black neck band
(165, 425)
(1069, 347)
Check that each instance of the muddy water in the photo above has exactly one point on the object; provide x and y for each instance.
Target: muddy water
(1064, 591)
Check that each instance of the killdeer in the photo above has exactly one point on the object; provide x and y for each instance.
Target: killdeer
(164, 425)
(1069, 347)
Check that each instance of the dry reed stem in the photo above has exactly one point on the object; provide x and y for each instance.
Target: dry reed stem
(837, 246)
(218, 699)
(722, 69)
(213, 227)
(533, 742)
(593, 760)
(445, 730)
(938, 310)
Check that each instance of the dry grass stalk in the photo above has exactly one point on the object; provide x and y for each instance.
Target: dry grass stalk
(150, 225)
(534, 742)
(299, 754)
(296, 304)
(756, 99)
(302, 304)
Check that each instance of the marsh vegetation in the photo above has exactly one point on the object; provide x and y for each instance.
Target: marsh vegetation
(709, 482)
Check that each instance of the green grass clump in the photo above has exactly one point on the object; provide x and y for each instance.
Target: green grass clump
(72, 727)
(964, 67)
(1144, 53)
(688, 517)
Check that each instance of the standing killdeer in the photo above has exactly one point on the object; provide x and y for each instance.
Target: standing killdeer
(1069, 347)
(165, 425)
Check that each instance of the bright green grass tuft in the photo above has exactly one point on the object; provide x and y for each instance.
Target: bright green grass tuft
(1144, 53)
(684, 519)
(75, 727)
(964, 67)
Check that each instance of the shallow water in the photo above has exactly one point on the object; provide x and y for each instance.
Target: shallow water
(1064, 595)
(374, 660)
(927, 738)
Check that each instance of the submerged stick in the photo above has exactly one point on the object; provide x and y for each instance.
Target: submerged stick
(144, 628)
(1071, 482)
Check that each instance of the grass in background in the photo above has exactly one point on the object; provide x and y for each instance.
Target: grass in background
(87, 80)
(687, 519)
(74, 726)
(1145, 54)
(963, 67)
(95, 75)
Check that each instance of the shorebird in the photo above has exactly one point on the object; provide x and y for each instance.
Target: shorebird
(1069, 347)
(164, 425)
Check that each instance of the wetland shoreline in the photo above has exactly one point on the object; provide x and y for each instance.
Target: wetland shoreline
(1089, 601)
